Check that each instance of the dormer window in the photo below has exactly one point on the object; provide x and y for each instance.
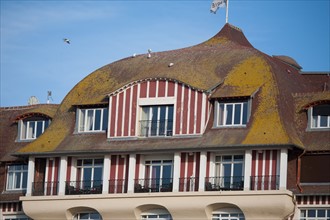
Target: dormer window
(156, 120)
(231, 113)
(32, 128)
(320, 117)
(92, 120)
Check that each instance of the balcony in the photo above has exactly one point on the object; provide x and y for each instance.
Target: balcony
(117, 186)
(153, 185)
(189, 184)
(227, 183)
(265, 182)
(83, 187)
(44, 188)
(153, 128)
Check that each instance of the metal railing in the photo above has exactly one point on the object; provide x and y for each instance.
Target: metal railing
(224, 183)
(153, 185)
(44, 188)
(189, 184)
(270, 182)
(83, 187)
(118, 186)
(150, 128)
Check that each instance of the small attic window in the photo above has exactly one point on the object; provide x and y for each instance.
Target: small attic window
(92, 119)
(319, 117)
(31, 128)
(232, 113)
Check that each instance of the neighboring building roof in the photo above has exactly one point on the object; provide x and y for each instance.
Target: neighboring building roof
(8, 126)
(223, 64)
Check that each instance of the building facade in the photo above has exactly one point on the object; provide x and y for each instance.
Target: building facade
(214, 131)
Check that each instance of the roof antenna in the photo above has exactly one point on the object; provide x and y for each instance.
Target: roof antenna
(49, 96)
(149, 53)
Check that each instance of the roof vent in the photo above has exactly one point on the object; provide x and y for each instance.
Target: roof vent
(33, 100)
(149, 53)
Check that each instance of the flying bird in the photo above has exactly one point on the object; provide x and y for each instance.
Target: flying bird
(66, 40)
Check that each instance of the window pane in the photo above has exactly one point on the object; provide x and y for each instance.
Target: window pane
(17, 177)
(238, 169)
(245, 112)
(97, 125)
(154, 120)
(31, 129)
(229, 114)
(221, 114)
(39, 128)
(311, 213)
(321, 213)
(98, 174)
(323, 121)
(24, 180)
(237, 116)
(89, 124)
(167, 171)
(105, 119)
(82, 120)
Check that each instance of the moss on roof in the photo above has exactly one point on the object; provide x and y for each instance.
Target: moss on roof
(227, 62)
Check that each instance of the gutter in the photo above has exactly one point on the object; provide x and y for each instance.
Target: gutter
(299, 171)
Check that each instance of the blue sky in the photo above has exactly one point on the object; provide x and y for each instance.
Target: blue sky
(34, 58)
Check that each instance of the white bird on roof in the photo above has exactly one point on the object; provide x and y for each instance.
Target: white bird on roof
(66, 40)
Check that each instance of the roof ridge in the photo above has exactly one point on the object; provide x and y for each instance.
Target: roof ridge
(24, 106)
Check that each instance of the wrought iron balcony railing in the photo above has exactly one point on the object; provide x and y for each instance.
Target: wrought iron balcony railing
(83, 187)
(189, 184)
(150, 128)
(44, 188)
(265, 182)
(224, 183)
(118, 186)
(153, 185)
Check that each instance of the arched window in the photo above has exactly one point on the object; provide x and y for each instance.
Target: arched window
(87, 216)
(159, 214)
(228, 214)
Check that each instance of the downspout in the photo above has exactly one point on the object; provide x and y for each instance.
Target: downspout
(299, 171)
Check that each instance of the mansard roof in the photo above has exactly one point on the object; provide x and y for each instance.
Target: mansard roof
(9, 117)
(227, 63)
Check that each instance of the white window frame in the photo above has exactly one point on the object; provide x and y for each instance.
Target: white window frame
(315, 120)
(304, 213)
(83, 120)
(92, 166)
(221, 120)
(13, 175)
(159, 214)
(228, 214)
(150, 132)
(77, 216)
(28, 128)
(16, 217)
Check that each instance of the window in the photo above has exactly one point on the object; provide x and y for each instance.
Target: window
(32, 129)
(91, 120)
(229, 171)
(17, 177)
(227, 216)
(89, 173)
(87, 216)
(16, 217)
(315, 214)
(231, 113)
(156, 120)
(159, 172)
(320, 117)
(158, 214)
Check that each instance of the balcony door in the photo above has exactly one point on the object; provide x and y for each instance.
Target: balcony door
(157, 120)
(158, 174)
(229, 171)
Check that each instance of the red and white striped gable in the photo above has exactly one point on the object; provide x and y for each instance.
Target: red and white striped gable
(191, 107)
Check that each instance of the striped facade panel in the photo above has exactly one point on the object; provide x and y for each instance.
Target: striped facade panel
(189, 171)
(118, 174)
(190, 107)
(51, 176)
(313, 200)
(265, 170)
